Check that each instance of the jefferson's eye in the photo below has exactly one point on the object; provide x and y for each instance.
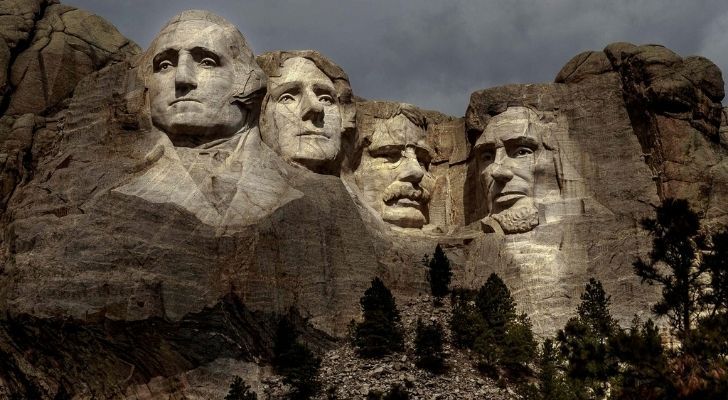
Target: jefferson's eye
(326, 99)
(208, 62)
(523, 151)
(286, 98)
(165, 64)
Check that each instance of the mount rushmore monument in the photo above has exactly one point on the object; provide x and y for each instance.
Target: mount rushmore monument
(158, 203)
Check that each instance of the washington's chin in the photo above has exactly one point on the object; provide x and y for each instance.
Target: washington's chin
(198, 124)
(404, 216)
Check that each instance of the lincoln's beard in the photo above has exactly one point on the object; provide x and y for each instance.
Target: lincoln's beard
(520, 218)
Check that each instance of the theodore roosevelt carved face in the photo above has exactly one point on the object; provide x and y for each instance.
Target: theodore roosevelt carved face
(506, 154)
(392, 171)
(193, 72)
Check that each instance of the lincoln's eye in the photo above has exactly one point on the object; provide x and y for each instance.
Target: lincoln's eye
(487, 156)
(208, 62)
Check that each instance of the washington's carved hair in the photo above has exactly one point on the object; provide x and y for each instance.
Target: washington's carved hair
(250, 83)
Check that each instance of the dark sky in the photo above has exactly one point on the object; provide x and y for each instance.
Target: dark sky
(435, 53)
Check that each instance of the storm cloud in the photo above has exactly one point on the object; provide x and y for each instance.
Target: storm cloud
(435, 53)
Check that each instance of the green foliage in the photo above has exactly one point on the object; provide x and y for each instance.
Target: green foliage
(428, 346)
(552, 384)
(466, 324)
(295, 362)
(674, 236)
(439, 273)
(584, 341)
(496, 306)
(645, 371)
(519, 345)
(490, 326)
(239, 390)
(380, 332)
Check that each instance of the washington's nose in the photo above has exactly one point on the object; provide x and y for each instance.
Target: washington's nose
(185, 78)
(410, 170)
(311, 108)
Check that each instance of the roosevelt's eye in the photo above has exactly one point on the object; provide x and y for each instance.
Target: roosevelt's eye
(326, 99)
(208, 62)
(286, 98)
(523, 152)
(165, 64)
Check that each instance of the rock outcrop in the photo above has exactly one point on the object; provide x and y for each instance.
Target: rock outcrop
(156, 249)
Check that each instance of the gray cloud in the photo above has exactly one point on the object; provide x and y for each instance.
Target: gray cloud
(435, 53)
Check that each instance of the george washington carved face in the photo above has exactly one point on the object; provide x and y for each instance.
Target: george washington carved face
(193, 69)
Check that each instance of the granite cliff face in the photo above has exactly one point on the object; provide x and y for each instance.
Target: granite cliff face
(155, 249)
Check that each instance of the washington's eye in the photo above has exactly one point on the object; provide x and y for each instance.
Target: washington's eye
(165, 64)
(523, 151)
(326, 99)
(286, 98)
(208, 62)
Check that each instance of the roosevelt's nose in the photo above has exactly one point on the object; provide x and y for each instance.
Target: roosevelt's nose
(410, 168)
(185, 78)
(311, 107)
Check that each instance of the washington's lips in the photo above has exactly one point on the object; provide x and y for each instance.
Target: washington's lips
(319, 134)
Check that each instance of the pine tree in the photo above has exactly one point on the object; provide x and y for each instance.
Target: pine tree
(439, 273)
(674, 235)
(466, 323)
(519, 345)
(645, 373)
(295, 362)
(552, 385)
(380, 332)
(239, 390)
(496, 306)
(429, 346)
(584, 340)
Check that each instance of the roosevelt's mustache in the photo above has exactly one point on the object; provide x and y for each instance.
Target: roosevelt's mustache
(405, 190)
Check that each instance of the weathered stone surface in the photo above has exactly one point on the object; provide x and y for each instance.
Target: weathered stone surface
(67, 44)
(151, 232)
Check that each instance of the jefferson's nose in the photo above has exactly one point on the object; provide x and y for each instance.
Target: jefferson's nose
(185, 78)
(410, 168)
(311, 107)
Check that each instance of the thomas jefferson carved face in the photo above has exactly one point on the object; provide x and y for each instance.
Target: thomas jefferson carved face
(302, 120)
(393, 172)
(506, 154)
(190, 87)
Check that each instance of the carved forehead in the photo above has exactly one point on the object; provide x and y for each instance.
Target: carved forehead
(520, 123)
(300, 70)
(194, 33)
(398, 130)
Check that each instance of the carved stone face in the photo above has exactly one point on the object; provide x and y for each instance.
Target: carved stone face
(506, 154)
(302, 117)
(190, 90)
(393, 172)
